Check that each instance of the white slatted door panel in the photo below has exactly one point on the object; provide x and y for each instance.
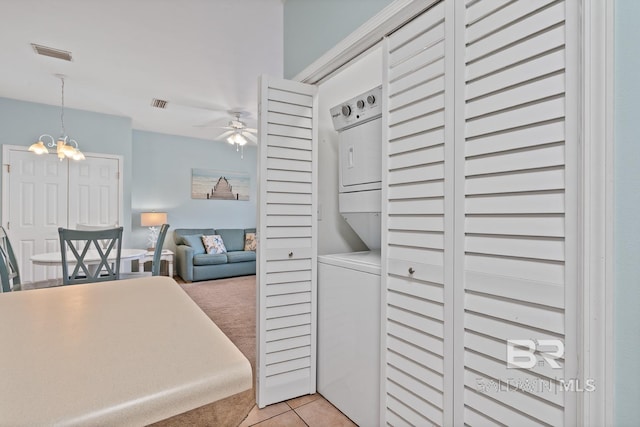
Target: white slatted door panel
(287, 241)
(515, 201)
(415, 383)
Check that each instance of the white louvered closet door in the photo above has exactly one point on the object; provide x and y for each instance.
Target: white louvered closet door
(519, 211)
(479, 227)
(417, 377)
(287, 236)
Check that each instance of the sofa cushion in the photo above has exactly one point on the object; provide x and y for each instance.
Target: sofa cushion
(233, 238)
(210, 259)
(195, 241)
(250, 241)
(179, 233)
(241, 256)
(214, 244)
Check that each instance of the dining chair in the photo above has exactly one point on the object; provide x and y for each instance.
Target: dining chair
(92, 227)
(156, 261)
(78, 243)
(9, 271)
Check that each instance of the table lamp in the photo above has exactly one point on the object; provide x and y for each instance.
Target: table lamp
(153, 220)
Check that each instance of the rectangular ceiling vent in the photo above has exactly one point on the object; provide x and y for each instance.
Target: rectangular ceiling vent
(159, 103)
(49, 51)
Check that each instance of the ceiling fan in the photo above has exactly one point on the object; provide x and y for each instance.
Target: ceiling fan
(237, 132)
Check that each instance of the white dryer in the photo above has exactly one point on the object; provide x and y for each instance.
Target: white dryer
(349, 334)
(349, 283)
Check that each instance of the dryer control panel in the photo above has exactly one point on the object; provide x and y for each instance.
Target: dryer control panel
(360, 109)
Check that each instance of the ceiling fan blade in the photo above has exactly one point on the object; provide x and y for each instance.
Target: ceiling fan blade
(249, 136)
(252, 130)
(224, 135)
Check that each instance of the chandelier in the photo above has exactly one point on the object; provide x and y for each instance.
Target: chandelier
(65, 146)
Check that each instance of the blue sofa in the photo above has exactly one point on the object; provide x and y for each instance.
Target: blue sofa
(194, 264)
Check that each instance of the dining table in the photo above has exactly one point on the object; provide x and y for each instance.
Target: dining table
(126, 352)
(92, 257)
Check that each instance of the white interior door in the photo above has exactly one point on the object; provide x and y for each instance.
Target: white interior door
(518, 156)
(34, 206)
(417, 222)
(94, 187)
(480, 240)
(287, 237)
(42, 193)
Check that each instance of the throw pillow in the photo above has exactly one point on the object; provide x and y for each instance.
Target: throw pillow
(213, 244)
(195, 241)
(250, 242)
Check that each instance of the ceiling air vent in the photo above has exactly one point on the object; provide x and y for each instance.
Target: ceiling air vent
(159, 103)
(49, 51)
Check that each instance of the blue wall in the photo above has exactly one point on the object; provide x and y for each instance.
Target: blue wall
(157, 167)
(627, 214)
(312, 27)
(162, 182)
(22, 122)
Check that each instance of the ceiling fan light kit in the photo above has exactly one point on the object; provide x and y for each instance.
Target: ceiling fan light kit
(237, 133)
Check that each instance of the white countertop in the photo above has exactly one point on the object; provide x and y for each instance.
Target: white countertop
(128, 352)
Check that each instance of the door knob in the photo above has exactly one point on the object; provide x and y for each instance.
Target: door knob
(290, 254)
(411, 270)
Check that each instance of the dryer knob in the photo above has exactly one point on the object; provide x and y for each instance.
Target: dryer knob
(371, 99)
(360, 104)
(346, 110)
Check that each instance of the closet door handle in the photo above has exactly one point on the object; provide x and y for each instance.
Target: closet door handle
(290, 254)
(411, 270)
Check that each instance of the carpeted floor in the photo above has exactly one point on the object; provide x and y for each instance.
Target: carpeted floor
(231, 304)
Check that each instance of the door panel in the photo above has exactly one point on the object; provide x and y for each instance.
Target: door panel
(287, 235)
(37, 207)
(93, 191)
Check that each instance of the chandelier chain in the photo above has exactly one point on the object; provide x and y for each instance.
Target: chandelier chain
(64, 133)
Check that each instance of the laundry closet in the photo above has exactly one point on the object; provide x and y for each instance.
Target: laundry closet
(478, 222)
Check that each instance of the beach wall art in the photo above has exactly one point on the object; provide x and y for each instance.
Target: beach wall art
(210, 184)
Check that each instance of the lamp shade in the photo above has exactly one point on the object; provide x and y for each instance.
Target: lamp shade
(153, 219)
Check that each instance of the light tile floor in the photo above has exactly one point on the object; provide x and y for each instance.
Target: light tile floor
(312, 411)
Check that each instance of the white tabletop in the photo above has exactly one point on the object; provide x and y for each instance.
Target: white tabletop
(128, 352)
(92, 256)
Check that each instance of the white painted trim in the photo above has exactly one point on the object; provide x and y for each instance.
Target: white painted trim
(261, 222)
(363, 38)
(596, 408)
(5, 182)
(459, 211)
(384, 238)
(572, 210)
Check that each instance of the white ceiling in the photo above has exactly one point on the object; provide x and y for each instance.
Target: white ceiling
(203, 56)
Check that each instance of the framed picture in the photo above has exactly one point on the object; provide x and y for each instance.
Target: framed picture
(209, 184)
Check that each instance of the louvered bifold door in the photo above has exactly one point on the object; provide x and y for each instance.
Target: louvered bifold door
(286, 272)
(519, 214)
(416, 269)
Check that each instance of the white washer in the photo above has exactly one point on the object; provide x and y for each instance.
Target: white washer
(349, 334)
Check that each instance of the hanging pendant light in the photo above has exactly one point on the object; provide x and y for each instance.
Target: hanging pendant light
(65, 146)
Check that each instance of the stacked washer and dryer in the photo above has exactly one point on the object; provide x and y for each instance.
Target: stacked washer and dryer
(349, 283)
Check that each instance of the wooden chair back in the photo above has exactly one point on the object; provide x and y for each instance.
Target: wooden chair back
(75, 245)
